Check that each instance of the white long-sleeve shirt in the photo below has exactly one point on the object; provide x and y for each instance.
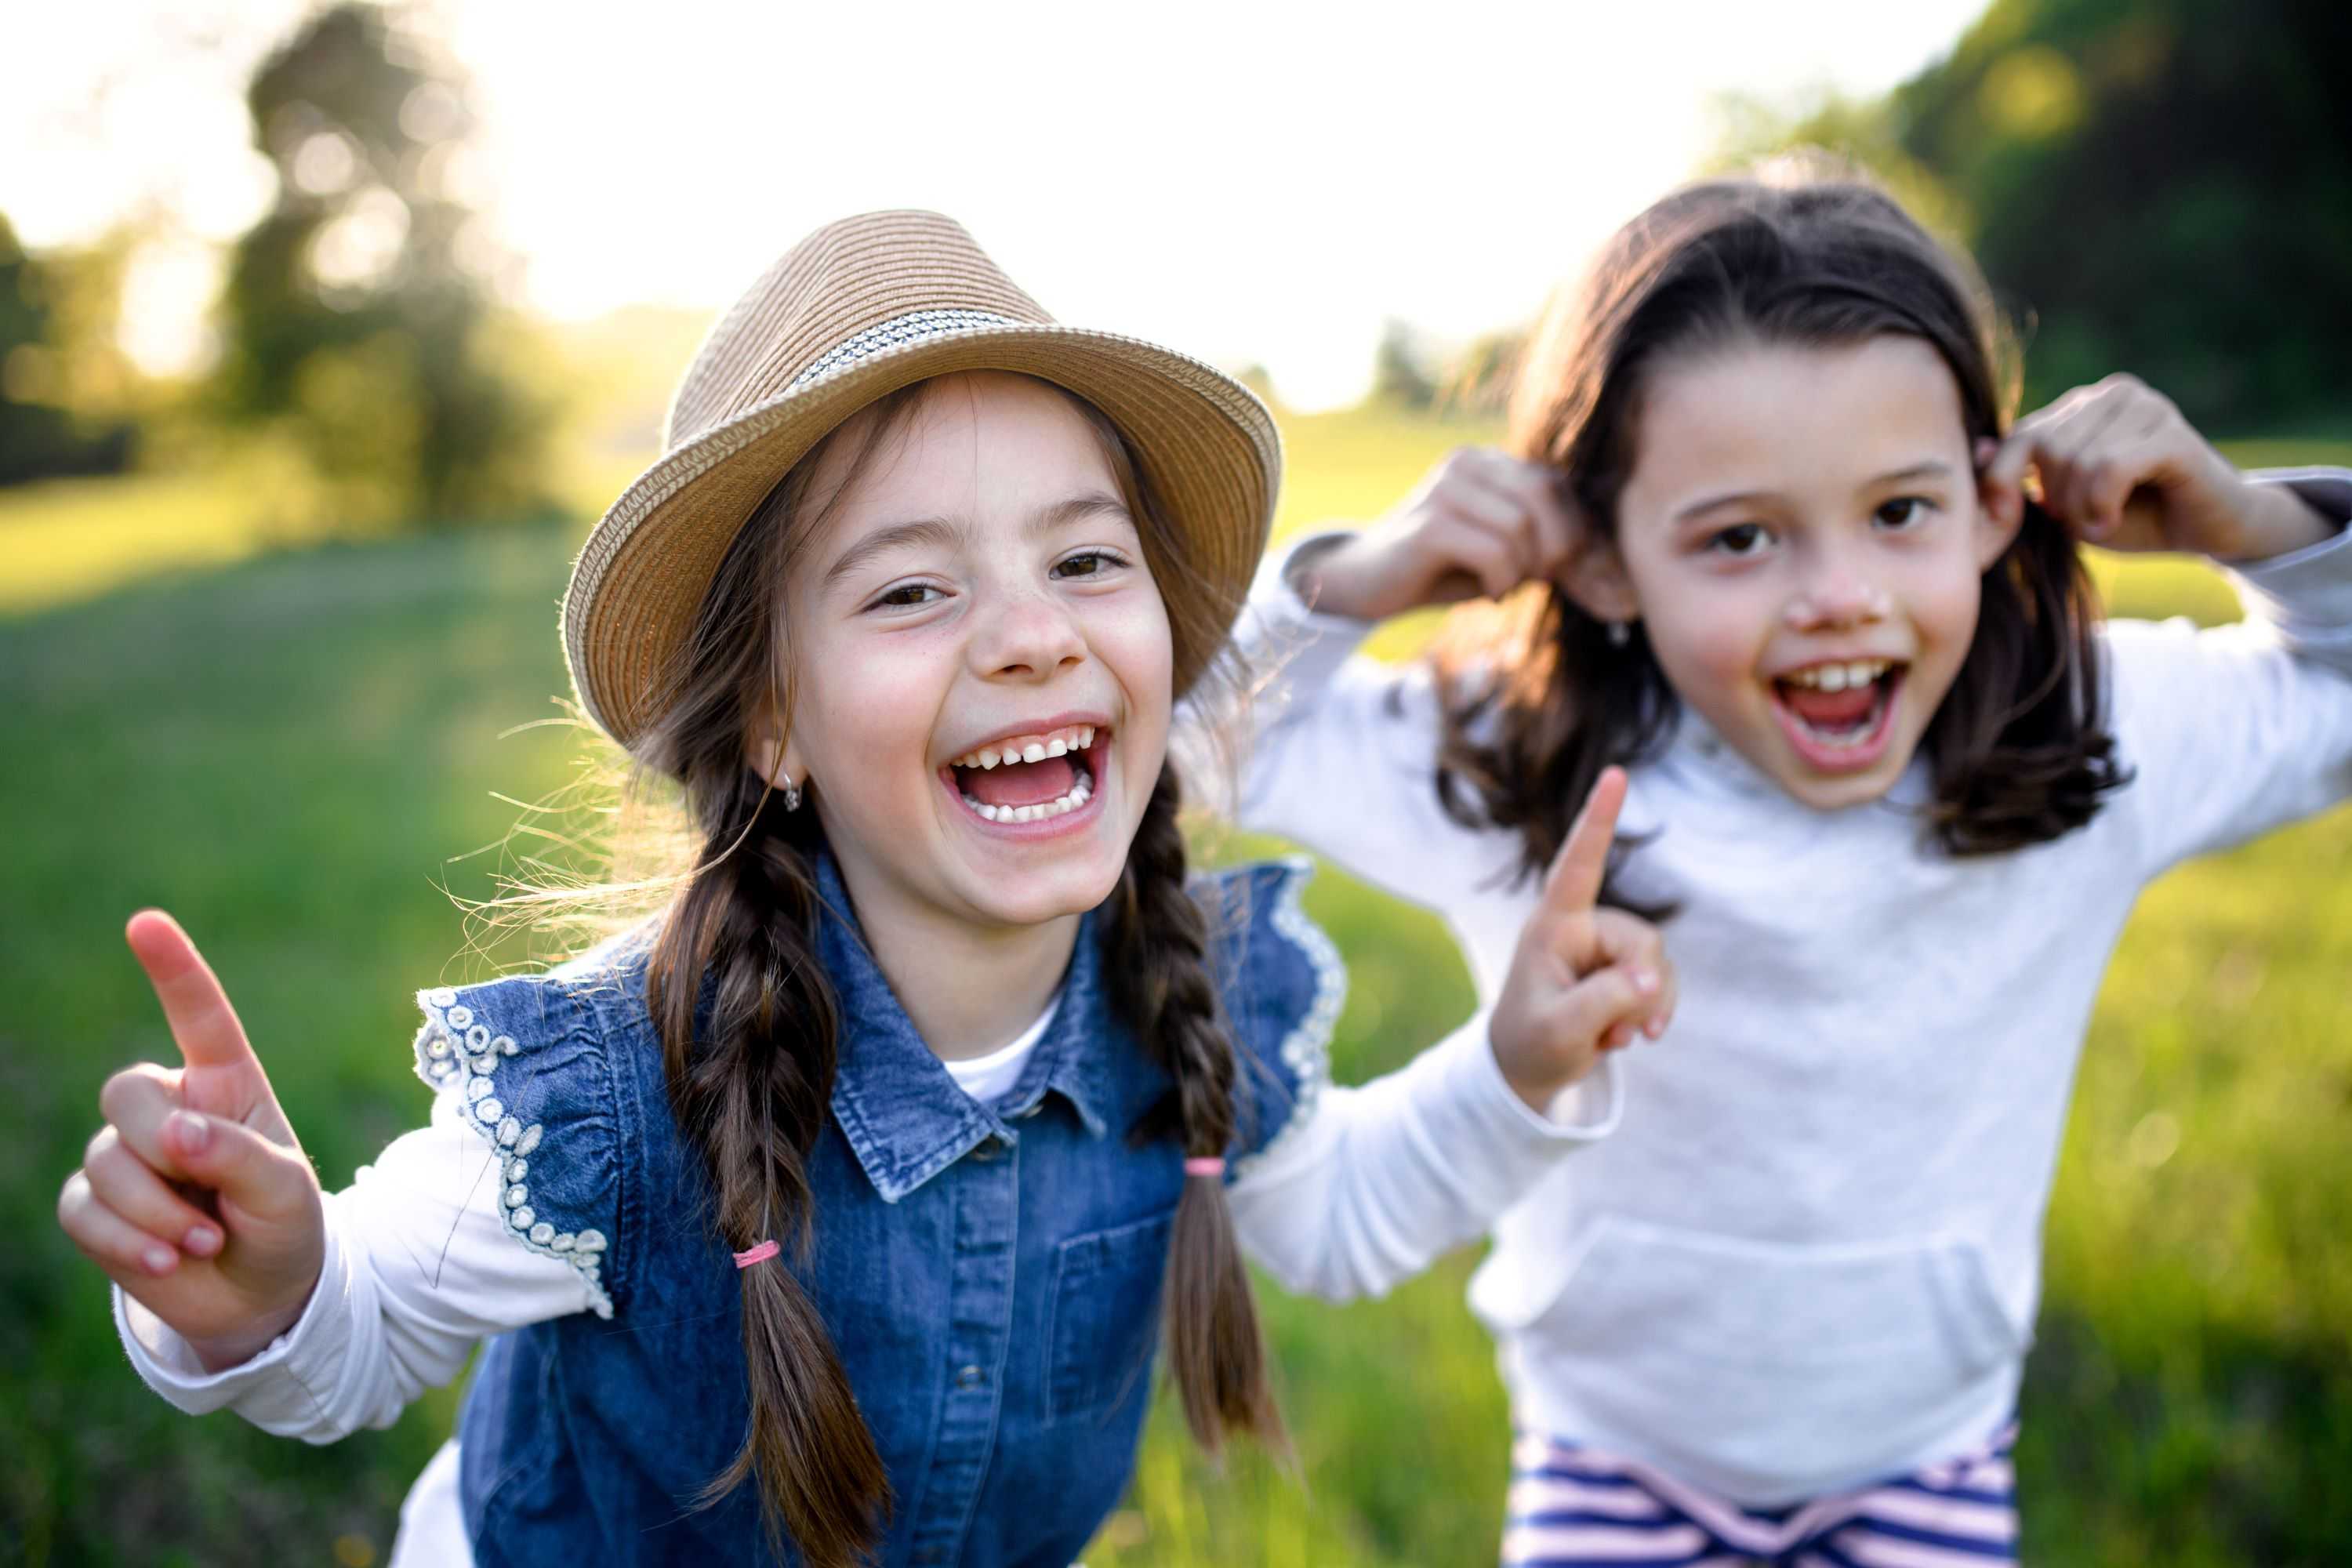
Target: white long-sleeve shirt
(1809, 1257)
(1365, 1189)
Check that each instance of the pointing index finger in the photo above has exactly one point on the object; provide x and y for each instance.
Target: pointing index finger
(1573, 883)
(198, 1010)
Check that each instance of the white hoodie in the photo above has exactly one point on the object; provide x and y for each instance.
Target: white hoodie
(1810, 1256)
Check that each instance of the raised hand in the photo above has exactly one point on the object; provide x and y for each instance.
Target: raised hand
(1584, 979)
(195, 1196)
(1482, 523)
(2117, 464)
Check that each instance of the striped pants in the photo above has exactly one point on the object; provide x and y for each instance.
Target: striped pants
(1572, 1507)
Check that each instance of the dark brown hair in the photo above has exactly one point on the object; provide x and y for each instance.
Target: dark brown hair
(749, 1023)
(1804, 251)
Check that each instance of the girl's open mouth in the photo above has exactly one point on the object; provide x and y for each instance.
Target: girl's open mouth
(1041, 778)
(1838, 716)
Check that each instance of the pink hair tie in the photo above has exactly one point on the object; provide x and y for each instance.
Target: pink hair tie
(1211, 1166)
(759, 1254)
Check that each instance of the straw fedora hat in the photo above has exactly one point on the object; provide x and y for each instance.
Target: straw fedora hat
(853, 313)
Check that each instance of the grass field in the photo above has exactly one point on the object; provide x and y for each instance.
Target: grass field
(287, 749)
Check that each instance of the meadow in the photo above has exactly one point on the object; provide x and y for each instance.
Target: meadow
(306, 752)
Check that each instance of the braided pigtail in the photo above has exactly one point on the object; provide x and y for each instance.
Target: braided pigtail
(1163, 985)
(751, 1094)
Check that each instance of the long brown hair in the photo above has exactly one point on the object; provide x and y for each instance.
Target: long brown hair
(751, 1079)
(1537, 699)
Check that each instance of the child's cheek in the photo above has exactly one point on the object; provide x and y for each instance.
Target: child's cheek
(1943, 596)
(1710, 646)
(873, 705)
(1129, 633)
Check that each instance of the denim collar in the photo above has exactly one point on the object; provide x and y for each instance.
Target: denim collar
(905, 1117)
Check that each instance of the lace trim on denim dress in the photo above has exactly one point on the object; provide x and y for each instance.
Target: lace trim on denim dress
(1305, 1050)
(456, 1048)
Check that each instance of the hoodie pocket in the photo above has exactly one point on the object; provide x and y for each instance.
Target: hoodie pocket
(1765, 1361)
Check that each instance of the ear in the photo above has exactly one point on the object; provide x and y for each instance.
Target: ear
(1596, 579)
(2001, 512)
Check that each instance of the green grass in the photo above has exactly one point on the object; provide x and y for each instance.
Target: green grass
(72, 539)
(286, 751)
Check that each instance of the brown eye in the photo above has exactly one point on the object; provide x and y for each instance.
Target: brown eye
(905, 596)
(1088, 563)
(1741, 539)
(1903, 511)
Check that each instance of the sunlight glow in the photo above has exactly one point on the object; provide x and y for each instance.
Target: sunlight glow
(1253, 183)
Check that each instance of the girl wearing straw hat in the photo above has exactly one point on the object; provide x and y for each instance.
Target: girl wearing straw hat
(846, 1194)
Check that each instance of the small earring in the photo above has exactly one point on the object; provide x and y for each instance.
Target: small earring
(1620, 633)
(792, 795)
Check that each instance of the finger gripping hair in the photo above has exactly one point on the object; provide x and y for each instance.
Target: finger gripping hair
(1161, 983)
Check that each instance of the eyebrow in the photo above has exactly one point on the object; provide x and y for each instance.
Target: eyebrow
(941, 533)
(1934, 468)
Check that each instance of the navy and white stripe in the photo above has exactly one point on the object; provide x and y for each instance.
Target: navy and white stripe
(1574, 1507)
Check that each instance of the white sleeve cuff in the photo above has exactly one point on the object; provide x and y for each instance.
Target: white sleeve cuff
(1383, 1179)
(1590, 1107)
(1496, 1144)
(1281, 637)
(305, 1356)
(2307, 593)
(1277, 601)
(1587, 1110)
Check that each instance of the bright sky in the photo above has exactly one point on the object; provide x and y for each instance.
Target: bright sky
(1251, 182)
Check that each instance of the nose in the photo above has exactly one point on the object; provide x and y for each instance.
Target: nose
(1836, 598)
(1029, 637)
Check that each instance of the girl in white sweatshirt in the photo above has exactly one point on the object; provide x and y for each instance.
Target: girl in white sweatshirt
(1765, 538)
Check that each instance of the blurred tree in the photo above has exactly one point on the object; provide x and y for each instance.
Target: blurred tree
(1404, 366)
(2162, 186)
(40, 437)
(1478, 380)
(358, 313)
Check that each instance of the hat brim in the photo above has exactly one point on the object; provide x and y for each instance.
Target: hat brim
(1208, 447)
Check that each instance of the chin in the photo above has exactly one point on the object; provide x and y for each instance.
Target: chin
(1076, 886)
(1838, 793)
(1826, 790)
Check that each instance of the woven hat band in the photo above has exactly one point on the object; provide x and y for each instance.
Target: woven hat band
(845, 280)
(914, 327)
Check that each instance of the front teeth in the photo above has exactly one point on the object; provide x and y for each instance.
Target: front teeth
(1031, 749)
(1838, 677)
(1079, 793)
